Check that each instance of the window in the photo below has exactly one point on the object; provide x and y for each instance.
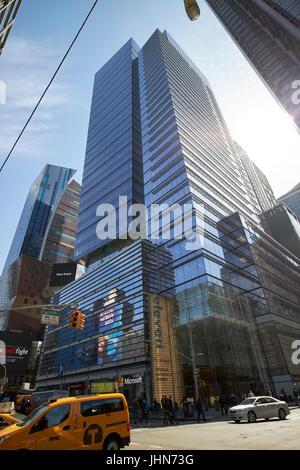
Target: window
(98, 407)
(54, 417)
(2, 422)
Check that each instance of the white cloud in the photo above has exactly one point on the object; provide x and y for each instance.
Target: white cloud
(26, 69)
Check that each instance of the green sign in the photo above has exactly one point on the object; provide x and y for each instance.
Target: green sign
(103, 387)
(50, 318)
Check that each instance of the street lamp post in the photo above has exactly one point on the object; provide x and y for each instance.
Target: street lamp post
(192, 9)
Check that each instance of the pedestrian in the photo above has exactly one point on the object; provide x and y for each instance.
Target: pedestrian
(270, 393)
(200, 410)
(155, 406)
(295, 395)
(251, 394)
(170, 410)
(233, 400)
(283, 395)
(135, 410)
(223, 405)
(144, 404)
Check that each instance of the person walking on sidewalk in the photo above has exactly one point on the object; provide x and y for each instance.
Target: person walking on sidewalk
(223, 405)
(200, 410)
(135, 410)
(145, 408)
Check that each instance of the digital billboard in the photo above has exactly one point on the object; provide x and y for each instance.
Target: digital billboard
(64, 273)
(17, 351)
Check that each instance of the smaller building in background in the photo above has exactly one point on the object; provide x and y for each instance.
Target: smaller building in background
(60, 240)
(282, 224)
(292, 200)
(259, 182)
(47, 226)
(8, 13)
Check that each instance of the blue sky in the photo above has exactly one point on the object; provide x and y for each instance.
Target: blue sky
(57, 134)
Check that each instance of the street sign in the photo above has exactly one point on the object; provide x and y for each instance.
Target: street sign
(50, 318)
(195, 373)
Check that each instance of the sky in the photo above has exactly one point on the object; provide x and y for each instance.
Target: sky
(57, 134)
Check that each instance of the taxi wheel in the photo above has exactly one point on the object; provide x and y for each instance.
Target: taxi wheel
(282, 414)
(112, 444)
(237, 420)
(251, 417)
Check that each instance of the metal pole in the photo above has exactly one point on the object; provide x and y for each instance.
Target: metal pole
(195, 373)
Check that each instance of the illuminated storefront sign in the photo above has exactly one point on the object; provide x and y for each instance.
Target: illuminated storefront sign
(103, 387)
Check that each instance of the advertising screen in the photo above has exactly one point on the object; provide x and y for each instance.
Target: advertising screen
(63, 274)
(17, 351)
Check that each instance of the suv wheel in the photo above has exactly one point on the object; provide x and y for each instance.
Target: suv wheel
(282, 414)
(112, 444)
(251, 417)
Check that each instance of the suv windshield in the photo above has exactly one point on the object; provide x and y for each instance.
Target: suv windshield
(33, 415)
(248, 401)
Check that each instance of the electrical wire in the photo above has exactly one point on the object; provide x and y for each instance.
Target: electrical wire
(49, 84)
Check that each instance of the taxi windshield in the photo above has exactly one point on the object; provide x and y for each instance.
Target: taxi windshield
(33, 415)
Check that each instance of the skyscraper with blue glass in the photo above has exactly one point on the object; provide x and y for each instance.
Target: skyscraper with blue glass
(43, 198)
(160, 138)
(113, 162)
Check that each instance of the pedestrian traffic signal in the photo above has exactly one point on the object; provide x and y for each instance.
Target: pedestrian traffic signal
(80, 321)
(74, 319)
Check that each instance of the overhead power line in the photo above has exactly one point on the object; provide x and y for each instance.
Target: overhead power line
(49, 84)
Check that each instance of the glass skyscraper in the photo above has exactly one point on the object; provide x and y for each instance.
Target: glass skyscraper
(37, 216)
(268, 33)
(292, 200)
(155, 307)
(113, 162)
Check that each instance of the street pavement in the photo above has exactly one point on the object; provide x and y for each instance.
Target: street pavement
(219, 434)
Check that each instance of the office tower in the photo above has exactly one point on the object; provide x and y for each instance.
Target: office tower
(282, 224)
(268, 34)
(59, 243)
(8, 13)
(40, 208)
(258, 182)
(213, 303)
(113, 162)
(292, 200)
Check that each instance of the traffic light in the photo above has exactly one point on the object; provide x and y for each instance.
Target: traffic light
(75, 314)
(146, 349)
(80, 321)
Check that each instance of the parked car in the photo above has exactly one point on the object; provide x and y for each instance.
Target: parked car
(255, 408)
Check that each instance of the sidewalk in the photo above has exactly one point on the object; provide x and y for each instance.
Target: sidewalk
(211, 415)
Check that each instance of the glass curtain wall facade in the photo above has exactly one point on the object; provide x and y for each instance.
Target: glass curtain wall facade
(259, 182)
(268, 33)
(43, 198)
(113, 162)
(292, 200)
(189, 157)
(59, 243)
(152, 297)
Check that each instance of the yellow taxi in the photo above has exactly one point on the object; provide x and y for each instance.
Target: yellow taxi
(6, 419)
(92, 422)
